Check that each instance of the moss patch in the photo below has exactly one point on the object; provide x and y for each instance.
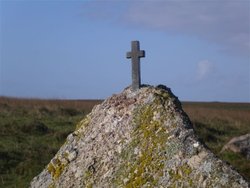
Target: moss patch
(144, 157)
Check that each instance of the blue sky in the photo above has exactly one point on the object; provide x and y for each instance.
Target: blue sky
(77, 49)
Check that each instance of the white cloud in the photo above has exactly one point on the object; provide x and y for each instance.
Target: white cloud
(226, 22)
(204, 68)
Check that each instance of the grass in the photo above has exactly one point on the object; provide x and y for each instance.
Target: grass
(32, 131)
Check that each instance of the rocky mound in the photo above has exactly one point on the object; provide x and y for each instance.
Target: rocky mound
(137, 139)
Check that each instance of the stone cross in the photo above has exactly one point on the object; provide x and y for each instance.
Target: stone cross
(135, 56)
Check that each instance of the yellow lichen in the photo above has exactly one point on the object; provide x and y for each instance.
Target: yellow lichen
(181, 174)
(83, 123)
(150, 137)
(90, 185)
(59, 171)
(56, 168)
(52, 185)
(88, 179)
(51, 168)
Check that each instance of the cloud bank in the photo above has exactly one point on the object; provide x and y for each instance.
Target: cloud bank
(226, 23)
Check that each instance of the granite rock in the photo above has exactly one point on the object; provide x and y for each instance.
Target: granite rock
(137, 139)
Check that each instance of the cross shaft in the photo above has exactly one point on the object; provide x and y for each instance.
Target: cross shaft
(135, 56)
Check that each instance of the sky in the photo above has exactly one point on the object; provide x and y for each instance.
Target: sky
(77, 49)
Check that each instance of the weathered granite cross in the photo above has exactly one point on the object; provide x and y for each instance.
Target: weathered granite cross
(135, 56)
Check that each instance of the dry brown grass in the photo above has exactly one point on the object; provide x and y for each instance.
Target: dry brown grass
(51, 104)
(231, 112)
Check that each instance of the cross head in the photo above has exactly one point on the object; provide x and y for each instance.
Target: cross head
(135, 56)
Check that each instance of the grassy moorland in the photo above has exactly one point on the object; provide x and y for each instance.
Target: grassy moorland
(32, 131)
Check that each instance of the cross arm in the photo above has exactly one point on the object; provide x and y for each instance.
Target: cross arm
(129, 55)
(141, 53)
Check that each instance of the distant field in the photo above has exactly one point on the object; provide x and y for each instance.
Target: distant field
(32, 131)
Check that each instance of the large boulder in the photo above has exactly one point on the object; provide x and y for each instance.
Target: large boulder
(137, 139)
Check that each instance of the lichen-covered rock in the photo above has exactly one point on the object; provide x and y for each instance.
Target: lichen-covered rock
(137, 139)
